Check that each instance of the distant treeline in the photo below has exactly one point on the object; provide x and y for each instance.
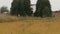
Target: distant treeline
(4, 9)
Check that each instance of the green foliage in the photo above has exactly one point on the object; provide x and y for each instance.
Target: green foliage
(38, 9)
(14, 8)
(21, 7)
(46, 12)
(27, 7)
(41, 9)
(4, 9)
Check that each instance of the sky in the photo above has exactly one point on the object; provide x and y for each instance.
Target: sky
(55, 4)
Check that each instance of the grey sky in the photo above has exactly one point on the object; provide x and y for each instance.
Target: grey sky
(55, 4)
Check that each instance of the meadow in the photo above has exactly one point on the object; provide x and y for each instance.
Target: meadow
(29, 25)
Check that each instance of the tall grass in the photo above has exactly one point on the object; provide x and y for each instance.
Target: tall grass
(8, 18)
(29, 25)
(14, 18)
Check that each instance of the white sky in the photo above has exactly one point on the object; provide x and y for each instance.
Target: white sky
(55, 4)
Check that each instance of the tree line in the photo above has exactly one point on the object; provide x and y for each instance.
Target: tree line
(3, 9)
(22, 8)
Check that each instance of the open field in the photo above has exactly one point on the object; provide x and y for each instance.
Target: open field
(29, 25)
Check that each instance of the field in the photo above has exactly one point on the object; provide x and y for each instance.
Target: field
(29, 25)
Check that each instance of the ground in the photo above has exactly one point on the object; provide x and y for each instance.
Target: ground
(30, 25)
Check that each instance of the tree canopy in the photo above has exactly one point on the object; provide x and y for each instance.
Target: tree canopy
(43, 8)
(21, 7)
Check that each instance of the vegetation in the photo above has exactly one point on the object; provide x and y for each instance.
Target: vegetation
(43, 8)
(21, 7)
(14, 7)
(14, 18)
(30, 25)
(27, 7)
(4, 9)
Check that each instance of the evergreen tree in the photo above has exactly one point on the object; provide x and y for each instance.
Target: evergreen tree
(21, 8)
(14, 7)
(27, 7)
(38, 9)
(41, 9)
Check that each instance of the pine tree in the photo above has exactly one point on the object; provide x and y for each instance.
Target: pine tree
(27, 7)
(21, 8)
(41, 9)
(14, 7)
(46, 8)
(38, 9)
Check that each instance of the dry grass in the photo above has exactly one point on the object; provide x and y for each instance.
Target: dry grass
(29, 25)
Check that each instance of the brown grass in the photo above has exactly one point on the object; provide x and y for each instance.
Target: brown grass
(31, 25)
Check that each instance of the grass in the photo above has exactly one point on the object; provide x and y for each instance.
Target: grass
(29, 25)
(14, 18)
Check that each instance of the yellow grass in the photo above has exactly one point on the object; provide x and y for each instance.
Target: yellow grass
(31, 25)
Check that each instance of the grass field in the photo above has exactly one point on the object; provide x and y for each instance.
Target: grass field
(29, 25)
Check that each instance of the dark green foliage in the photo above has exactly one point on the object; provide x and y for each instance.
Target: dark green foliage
(27, 7)
(47, 12)
(21, 7)
(38, 9)
(17, 8)
(4, 9)
(43, 8)
(24, 8)
(14, 7)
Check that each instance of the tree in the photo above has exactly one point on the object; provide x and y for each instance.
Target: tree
(21, 7)
(41, 9)
(38, 9)
(24, 8)
(4, 9)
(27, 8)
(14, 7)
(46, 12)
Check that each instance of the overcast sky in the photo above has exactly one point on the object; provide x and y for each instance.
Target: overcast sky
(55, 4)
